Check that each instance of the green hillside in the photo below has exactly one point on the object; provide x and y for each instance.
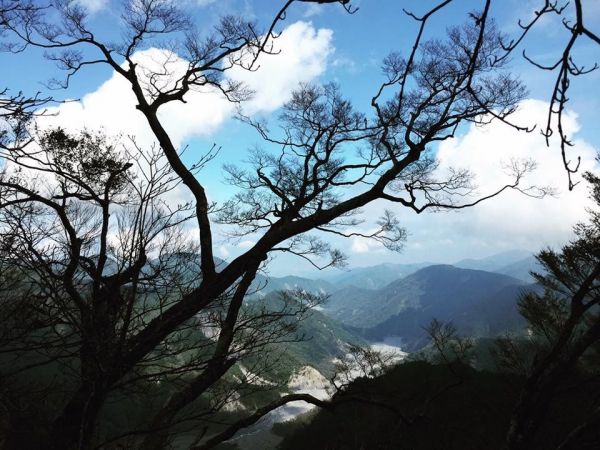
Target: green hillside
(317, 340)
(479, 303)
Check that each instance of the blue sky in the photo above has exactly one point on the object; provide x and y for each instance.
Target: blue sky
(324, 43)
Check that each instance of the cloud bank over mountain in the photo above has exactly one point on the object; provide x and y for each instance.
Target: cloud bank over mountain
(511, 220)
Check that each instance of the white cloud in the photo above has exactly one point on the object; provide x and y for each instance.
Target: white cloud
(363, 245)
(513, 217)
(360, 245)
(227, 248)
(223, 252)
(511, 220)
(313, 9)
(302, 58)
(92, 6)
(111, 107)
(506, 222)
(345, 63)
(303, 52)
(246, 243)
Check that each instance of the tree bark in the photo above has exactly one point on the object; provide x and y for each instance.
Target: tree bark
(74, 428)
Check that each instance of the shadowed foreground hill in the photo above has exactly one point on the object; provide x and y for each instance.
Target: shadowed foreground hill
(420, 406)
(315, 341)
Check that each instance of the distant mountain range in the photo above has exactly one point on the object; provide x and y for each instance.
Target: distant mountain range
(521, 269)
(399, 300)
(265, 285)
(515, 263)
(375, 277)
(493, 263)
(479, 303)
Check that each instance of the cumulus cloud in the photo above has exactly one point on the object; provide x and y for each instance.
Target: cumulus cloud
(223, 252)
(513, 216)
(111, 106)
(92, 6)
(508, 221)
(302, 53)
(302, 56)
(511, 220)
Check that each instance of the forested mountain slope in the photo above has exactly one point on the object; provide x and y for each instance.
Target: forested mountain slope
(479, 303)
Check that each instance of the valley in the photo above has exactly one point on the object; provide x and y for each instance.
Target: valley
(386, 308)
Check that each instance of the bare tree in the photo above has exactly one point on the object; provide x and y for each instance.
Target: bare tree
(332, 161)
(134, 260)
(572, 17)
(565, 65)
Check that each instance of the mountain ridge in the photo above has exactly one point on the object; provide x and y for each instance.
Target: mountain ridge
(477, 301)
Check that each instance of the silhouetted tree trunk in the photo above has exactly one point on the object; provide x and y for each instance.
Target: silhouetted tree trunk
(564, 322)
